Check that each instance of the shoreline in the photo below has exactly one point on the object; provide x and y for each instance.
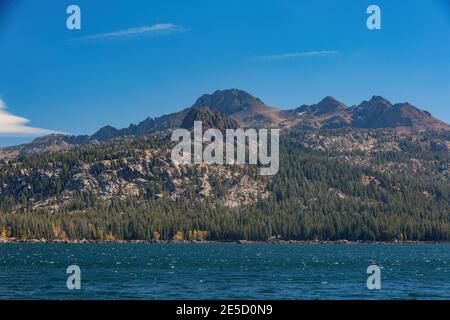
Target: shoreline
(242, 242)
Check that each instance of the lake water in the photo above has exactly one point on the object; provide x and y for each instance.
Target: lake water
(224, 271)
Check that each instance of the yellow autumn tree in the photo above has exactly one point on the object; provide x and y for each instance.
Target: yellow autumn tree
(179, 236)
(156, 235)
(58, 232)
(93, 231)
(201, 235)
(110, 237)
(197, 235)
(100, 234)
(4, 234)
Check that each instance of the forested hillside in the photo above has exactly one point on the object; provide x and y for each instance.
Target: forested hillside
(336, 184)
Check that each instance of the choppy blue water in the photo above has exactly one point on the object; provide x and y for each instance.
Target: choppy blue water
(224, 271)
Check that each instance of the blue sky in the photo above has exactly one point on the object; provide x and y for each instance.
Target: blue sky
(287, 53)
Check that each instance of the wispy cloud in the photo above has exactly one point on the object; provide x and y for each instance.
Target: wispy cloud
(11, 125)
(156, 29)
(303, 54)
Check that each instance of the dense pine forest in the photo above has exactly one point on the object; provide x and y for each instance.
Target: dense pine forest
(331, 185)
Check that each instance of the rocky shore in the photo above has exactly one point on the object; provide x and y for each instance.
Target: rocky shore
(242, 242)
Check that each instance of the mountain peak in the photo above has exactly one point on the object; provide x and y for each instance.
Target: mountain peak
(328, 105)
(105, 133)
(377, 102)
(241, 105)
(380, 113)
(329, 100)
(229, 101)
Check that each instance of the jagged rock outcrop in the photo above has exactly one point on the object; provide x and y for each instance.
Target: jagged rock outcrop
(209, 119)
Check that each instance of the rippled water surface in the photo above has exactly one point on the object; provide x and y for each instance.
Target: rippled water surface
(224, 271)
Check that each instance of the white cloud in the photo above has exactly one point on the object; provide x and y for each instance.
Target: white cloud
(11, 125)
(303, 54)
(159, 28)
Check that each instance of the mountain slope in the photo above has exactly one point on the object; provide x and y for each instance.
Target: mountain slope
(355, 184)
(49, 143)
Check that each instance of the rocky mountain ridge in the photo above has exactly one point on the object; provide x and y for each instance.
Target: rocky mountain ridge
(238, 108)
